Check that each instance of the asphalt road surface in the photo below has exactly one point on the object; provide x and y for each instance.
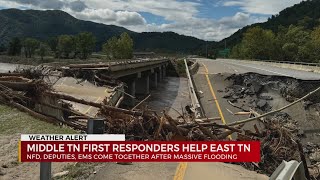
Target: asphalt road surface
(210, 81)
(238, 67)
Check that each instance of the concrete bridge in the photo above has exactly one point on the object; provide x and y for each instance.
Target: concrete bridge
(139, 76)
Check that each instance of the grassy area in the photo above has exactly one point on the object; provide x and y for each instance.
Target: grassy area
(79, 171)
(13, 121)
(12, 124)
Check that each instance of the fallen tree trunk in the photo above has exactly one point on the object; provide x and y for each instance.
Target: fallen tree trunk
(274, 111)
(11, 74)
(33, 113)
(43, 117)
(14, 78)
(18, 86)
(98, 105)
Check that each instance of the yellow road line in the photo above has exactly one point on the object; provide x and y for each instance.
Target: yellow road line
(215, 97)
(91, 106)
(181, 170)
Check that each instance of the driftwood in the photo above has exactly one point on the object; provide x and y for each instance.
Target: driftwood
(97, 105)
(136, 106)
(43, 117)
(275, 111)
(18, 86)
(11, 74)
(14, 78)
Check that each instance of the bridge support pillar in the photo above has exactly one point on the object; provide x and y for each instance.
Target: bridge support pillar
(143, 85)
(160, 74)
(154, 80)
(131, 89)
(164, 72)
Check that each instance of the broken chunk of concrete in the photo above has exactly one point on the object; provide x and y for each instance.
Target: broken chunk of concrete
(315, 156)
(261, 103)
(227, 95)
(266, 97)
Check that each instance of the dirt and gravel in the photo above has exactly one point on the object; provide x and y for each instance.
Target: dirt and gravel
(282, 131)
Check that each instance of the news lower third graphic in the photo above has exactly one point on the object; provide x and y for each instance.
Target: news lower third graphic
(114, 148)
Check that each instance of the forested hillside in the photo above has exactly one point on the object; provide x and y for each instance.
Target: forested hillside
(292, 35)
(43, 25)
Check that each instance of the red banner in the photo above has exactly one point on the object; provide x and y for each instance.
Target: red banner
(141, 151)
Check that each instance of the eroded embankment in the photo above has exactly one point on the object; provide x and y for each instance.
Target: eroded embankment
(284, 130)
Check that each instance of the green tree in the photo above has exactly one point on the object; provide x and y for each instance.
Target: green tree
(66, 46)
(314, 45)
(53, 44)
(257, 43)
(294, 41)
(30, 45)
(43, 50)
(2, 48)
(121, 48)
(125, 44)
(15, 46)
(110, 48)
(85, 44)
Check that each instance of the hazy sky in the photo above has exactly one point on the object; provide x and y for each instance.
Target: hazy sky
(204, 19)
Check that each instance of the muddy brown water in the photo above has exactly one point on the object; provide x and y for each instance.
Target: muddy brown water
(171, 95)
(6, 67)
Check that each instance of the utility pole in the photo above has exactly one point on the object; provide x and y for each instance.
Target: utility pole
(225, 48)
(206, 49)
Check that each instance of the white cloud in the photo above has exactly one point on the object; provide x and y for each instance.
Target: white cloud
(172, 10)
(181, 15)
(202, 28)
(107, 16)
(266, 7)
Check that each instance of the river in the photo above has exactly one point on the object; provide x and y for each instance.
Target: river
(171, 95)
(6, 67)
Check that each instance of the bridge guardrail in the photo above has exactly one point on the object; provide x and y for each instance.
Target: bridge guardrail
(114, 63)
(194, 98)
(290, 62)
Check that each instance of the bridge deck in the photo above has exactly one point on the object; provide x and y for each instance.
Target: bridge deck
(82, 90)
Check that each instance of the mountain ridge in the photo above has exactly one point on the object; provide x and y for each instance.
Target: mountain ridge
(43, 24)
(305, 13)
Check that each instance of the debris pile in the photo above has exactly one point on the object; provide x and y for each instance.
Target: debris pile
(98, 74)
(281, 136)
(278, 142)
(27, 89)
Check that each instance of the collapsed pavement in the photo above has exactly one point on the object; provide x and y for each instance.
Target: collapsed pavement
(282, 133)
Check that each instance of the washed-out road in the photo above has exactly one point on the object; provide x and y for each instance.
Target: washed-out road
(209, 83)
